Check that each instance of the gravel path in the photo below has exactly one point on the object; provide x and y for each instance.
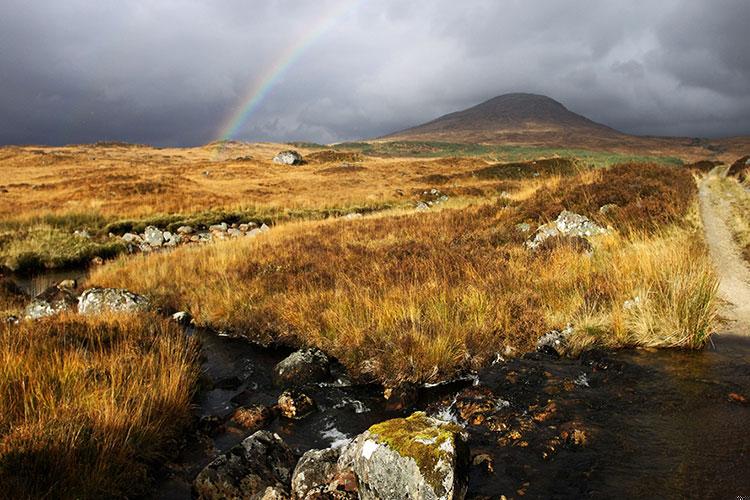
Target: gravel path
(733, 271)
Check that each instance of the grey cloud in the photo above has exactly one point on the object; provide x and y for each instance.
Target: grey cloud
(172, 72)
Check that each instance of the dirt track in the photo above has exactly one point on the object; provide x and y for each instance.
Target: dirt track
(733, 271)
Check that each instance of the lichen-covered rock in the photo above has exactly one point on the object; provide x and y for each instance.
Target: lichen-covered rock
(101, 300)
(288, 158)
(314, 471)
(566, 224)
(302, 367)
(246, 471)
(53, 300)
(295, 405)
(415, 457)
(153, 236)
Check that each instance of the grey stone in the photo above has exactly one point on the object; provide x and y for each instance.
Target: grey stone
(153, 236)
(302, 367)
(182, 318)
(422, 207)
(101, 300)
(288, 158)
(185, 230)
(131, 238)
(218, 227)
(53, 300)
(407, 458)
(314, 471)
(259, 462)
(566, 224)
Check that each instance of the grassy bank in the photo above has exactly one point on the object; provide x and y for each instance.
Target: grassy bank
(89, 406)
(422, 297)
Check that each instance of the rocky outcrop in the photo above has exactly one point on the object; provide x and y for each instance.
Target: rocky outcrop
(102, 300)
(302, 367)
(248, 470)
(53, 300)
(414, 457)
(567, 224)
(153, 238)
(289, 157)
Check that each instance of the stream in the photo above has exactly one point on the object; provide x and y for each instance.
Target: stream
(649, 423)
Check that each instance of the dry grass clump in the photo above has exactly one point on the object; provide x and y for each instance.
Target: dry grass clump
(647, 196)
(89, 406)
(739, 168)
(423, 297)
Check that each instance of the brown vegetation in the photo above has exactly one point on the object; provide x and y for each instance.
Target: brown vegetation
(422, 297)
(88, 407)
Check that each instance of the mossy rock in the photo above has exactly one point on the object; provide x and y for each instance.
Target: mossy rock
(413, 457)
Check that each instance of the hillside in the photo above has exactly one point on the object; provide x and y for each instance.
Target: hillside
(528, 119)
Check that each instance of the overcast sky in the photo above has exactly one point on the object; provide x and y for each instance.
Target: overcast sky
(173, 72)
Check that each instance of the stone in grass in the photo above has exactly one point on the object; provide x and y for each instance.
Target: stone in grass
(414, 457)
(288, 158)
(248, 470)
(102, 300)
(153, 236)
(567, 224)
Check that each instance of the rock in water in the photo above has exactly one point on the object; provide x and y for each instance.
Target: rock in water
(302, 367)
(314, 471)
(100, 300)
(295, 405)
(407, 458)
(261, 461)
(288, 158)
(567, 224)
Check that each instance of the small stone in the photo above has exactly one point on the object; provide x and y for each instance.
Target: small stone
(353, 216)
(67, 285)
(422, 207)
(218, 227)
(263, 228)
(244, 227)
(182, 318)
(185, 230)
(295, 405)
(131, 238)
(234, 233)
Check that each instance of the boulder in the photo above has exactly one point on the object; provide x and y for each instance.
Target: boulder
(261, 461)
(53, 300)
(314, 472)
(101, 300)
(153, 236)
(567, 224)
(288, 158)
(131, 238)
(295, 405)
(302, 367)
(218, 227)
(414, 457)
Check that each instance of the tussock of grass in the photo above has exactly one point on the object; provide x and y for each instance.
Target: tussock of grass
(422, 297)
(47, 247)
(88, 406)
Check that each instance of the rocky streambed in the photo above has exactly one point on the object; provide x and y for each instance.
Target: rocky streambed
(272, 422)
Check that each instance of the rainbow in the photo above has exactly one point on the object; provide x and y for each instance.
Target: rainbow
(271, 76)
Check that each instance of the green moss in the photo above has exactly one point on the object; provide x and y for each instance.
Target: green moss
(418, 438)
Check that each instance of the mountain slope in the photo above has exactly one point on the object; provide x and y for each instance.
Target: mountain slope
(514, 118)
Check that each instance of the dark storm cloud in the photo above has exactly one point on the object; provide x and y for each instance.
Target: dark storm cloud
(173, 71)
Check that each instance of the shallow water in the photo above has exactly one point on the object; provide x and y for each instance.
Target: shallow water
(660, 423)
(35, 284)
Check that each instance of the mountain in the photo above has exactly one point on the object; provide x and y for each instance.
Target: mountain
(515, 118)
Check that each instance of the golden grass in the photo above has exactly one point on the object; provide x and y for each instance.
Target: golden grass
(89, 406)
(422, 297)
